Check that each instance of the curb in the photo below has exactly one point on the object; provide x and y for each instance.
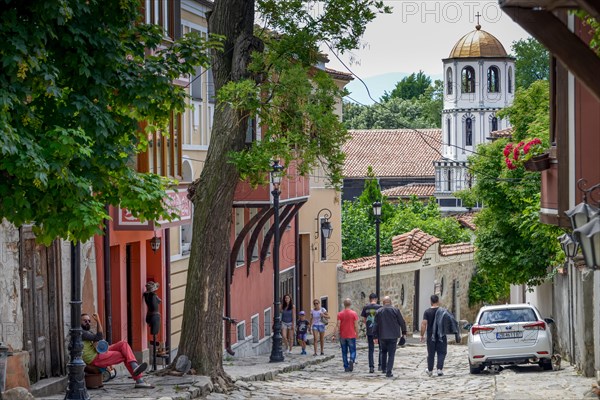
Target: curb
(270, 375)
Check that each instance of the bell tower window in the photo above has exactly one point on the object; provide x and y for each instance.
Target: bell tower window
(468, 80)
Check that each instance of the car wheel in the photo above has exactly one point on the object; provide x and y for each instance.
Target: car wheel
(475, 369)
(545, 364)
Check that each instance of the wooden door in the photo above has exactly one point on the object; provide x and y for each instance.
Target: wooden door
(41, 292)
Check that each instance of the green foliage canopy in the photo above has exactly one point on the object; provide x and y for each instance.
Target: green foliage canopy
(532, 62)
(513, 246)
(424, 111)
(410, 87)
(72, 97)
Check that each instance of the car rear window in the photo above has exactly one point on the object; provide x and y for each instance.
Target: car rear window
(507, 316)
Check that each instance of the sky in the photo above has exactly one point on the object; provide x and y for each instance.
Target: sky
(417, 36)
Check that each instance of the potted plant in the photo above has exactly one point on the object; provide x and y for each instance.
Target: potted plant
(532, 155)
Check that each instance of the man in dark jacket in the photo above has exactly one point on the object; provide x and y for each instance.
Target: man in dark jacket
(437, 323)
(389, 326)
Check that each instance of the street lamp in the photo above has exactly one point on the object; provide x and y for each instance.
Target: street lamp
(276, 350)
(377, 214)
(585, 220)
(570, 247)
(325, 226)
(76, 383)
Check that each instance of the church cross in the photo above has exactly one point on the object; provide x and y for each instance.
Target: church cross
(478, 15)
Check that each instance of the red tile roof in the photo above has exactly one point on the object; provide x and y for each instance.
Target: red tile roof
(416, 189)
(392, 152)
(502, 133)
(467, 220)
(339, 74)
(407, 248)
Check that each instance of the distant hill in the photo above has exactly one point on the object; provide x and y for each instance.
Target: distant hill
(377, 85)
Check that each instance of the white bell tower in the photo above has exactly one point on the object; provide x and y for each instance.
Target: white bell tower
(478, 82)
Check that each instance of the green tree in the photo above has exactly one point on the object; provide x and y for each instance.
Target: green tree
(272, 76)
(410, 87)
(530, 112)
(76, 85)
(422, 111)
(358, 229)
(532, 62)
(513, 246)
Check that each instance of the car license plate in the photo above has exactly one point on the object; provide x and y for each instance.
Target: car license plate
(509, 335)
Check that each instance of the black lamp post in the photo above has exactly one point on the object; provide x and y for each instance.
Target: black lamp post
(76, 385)
(377, 214)
(276, 350)
(570, 247)
(324, 226)
(585, 220)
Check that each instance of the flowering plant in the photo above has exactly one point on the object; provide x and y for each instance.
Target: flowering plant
(516, 155)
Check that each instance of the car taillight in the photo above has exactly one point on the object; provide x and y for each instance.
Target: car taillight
(475, 329)
(540, 326)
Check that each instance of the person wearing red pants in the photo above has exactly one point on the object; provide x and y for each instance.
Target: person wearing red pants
(119, 352)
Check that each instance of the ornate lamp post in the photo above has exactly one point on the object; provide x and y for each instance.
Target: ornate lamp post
(276, 350)
(377, 214)
(570, 247)
(76, 385)
(325, 226)
(585, 220)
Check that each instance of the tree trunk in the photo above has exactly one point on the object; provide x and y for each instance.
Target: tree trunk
(202, 329)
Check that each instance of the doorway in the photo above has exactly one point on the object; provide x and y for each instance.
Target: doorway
(41, 290)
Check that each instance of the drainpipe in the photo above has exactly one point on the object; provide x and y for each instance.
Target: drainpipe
(227, 317)
(167, 240)
(107, 287)
(297, 272)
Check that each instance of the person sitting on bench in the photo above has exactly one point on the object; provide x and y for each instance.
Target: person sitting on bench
(117, 353)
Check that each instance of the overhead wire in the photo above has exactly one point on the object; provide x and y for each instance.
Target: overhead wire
(420, 133)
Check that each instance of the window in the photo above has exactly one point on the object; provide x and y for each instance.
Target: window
(239, 225)
(251, 131)
(186, 239)
(253, 212)
(468, 132)
(161, 12)
(241, 331)
(493, 79)
(449, 81)
(163, 156)
(494, 124)
(268, 322)
(449, 181)
(210, 86)
(468, 80)
(448, 131)
(325, 303)
(254, 326)
(510, 80)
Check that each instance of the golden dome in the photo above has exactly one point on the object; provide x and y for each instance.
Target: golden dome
(478, 43)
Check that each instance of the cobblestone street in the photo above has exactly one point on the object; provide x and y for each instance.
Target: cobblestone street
(329, 381)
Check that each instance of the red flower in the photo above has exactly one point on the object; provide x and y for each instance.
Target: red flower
(508, 149)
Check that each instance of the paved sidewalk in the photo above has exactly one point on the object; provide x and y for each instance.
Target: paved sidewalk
(246, 369)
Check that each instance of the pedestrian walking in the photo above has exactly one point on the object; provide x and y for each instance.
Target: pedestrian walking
(288, 312)
(302, 330)
(437, 323)
(348, 332)
(368, 315)
(389, 326)
(318, 319)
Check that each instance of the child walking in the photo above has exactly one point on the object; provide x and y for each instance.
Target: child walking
(302, 330)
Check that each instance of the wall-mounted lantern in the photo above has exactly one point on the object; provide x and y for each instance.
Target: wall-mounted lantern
(585, 221)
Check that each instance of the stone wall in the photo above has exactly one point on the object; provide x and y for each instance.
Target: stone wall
(400, 286)
(11, 315)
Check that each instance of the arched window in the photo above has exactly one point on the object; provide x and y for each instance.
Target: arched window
(468, 132)
(468, 80)
(448, 131)
(493, 79)
(510, 80)
(494, 124)
(449, 80)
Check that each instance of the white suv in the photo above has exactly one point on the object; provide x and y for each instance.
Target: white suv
(509, 334)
